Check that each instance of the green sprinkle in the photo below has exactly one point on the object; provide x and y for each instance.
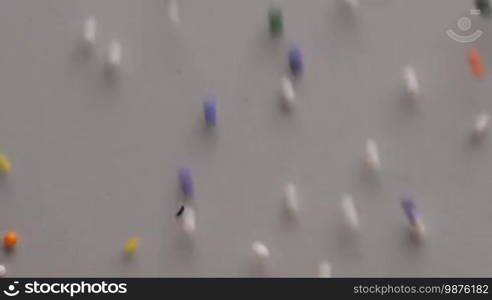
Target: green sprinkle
(275, 20)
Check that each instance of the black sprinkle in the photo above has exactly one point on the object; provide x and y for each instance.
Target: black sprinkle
(180, 211)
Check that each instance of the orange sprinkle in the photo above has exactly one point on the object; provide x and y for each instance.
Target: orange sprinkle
(10, 240)
(476, 63)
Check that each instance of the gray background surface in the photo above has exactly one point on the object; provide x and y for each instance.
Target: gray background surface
(94, 162)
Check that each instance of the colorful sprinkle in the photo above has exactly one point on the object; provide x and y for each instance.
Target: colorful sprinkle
(10, 240)
(210, 112)
(476, 63)
(131, 246)
(186, 182)
(296, 63)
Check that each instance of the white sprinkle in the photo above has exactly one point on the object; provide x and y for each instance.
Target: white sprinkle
(261, 251)
(115, 54)
(481, 123)
(353, 4)
(372, 155)
(291, 199)
(189, 220)
(350, 212)
(288, 93)
(418, 229)
(324, 270)
(90, 31)
(411, 81)
(3, 271)
(174, 12)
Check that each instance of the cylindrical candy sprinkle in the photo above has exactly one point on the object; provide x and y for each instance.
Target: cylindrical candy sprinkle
(352, 4)
(210, 112)
(260, 251)
(296, 63)
(186, 182)
(131, 246)
(5, 165)
(350, 212)
(410, 210)
(324, 269)
(10, 240)
(275, 19)
(481, 123)
(189, 220)
(411, 81)
(180, 211)
(484, 7)
(288, 93)
(291, 199)
(173, 8)
(90, 31)
(476, 63)
(115, 54)
(372, 155)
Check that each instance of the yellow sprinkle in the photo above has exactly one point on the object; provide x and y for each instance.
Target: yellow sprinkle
(132, 245)
(5, 165)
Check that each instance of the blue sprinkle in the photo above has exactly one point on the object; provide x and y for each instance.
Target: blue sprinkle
(409, 208)
(210, 112)
(296, 63)
(185, 182)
